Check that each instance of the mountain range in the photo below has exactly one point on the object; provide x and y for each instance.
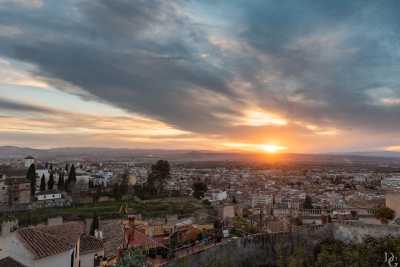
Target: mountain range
(7, 152)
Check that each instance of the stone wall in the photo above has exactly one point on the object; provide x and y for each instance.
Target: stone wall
(255, 250)
(356, 232)
(268, 249)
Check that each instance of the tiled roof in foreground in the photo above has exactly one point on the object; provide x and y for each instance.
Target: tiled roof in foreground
(10, 262)
(45, 241)
(90, 244)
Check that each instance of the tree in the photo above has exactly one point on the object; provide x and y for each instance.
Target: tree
(132, 258)
(199, 189)
(31, 176)
(95, 224)
(60, 184)
(66, 186)
(71, 181)
(96, 195)
(50, 183)
(219, 227)
(234, 201)
(72, 175)
(308, 203)
(43, 184)
(124, 183)
(160, 172)
(90, 184)
(385, 214)
(332, 254)
(117, 191)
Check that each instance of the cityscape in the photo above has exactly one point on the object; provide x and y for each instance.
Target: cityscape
(150, 133)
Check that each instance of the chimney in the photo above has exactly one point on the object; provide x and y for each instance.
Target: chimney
(9, 226)
(55, 220)
(98, 234)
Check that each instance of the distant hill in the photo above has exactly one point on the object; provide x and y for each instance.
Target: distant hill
(386, 154)
(190, 155)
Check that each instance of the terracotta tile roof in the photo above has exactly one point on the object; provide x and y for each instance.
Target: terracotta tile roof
(10, 262)
(69, 232)
(45, 241)
(142, 240)
(113, 236)
(90, 244)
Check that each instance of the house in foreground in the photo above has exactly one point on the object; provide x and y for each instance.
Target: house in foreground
(90, 250)
(47, 246)
(63, 245)
(10, 262)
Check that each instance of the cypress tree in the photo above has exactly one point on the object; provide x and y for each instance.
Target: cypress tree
(50, 183)
(42, 184)
(72, 175)
(31, 176)
(31, 172)
(91, 184)
(60, 184)
(66, 186)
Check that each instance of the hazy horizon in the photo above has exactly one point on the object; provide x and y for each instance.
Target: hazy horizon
(366, 153)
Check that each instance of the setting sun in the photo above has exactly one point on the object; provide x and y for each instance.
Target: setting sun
(270, 148)
(266, 148)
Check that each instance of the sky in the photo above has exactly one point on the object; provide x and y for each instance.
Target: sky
(296, 76)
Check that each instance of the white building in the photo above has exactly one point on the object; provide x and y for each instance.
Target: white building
(216, 195)
(261, 200)
(45, 246)
(103, 178)
(48, 195)
(82, 176)
(28, 161)
(43, 172)
(391, 182)
(360, 178)
(46, 173)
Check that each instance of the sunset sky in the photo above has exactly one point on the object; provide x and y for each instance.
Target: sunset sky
(294, 76)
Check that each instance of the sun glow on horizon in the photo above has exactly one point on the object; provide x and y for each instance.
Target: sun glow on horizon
(271, 148)
(392, 148)
(265, 148)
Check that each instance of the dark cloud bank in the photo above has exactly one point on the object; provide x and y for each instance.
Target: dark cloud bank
(325, 62)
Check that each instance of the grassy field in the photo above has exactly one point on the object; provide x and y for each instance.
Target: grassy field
(148, 209)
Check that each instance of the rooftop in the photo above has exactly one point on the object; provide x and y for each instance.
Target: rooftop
(10, 262)
(90, 244)
(45, 241)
